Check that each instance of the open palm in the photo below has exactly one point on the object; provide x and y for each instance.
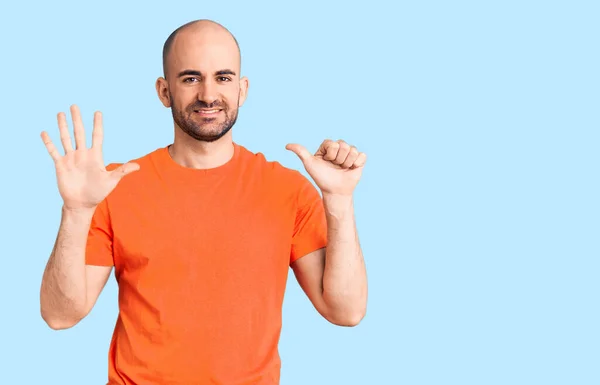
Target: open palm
(83, 180)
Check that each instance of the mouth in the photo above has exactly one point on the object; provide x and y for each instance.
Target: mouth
(208, 112)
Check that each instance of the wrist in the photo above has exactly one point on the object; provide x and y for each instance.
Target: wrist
(78, 212)
(338, 205)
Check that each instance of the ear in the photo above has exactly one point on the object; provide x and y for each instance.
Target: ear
(244, 84)
(162, 89)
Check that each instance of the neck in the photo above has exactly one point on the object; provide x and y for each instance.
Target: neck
(192, 153)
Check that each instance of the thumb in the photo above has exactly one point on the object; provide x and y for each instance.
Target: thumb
(299, 150)
(124, 169)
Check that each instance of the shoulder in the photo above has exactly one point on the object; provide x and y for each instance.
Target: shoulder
(281, 182)
(143, 160)
(139, 178)
(274, 169)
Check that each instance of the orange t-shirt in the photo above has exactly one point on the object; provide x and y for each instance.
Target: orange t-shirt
(201, 259)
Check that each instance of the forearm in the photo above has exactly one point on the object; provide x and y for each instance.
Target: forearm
(344, 278)
(63, 292)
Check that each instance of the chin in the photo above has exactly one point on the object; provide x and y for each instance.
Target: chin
(208, 135)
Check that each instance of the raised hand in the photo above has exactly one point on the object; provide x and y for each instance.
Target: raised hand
(83, 180)
(336, 167)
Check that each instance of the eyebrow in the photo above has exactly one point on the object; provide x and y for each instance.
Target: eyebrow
(197, 73)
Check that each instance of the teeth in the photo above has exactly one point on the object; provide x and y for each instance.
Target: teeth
(209, 111)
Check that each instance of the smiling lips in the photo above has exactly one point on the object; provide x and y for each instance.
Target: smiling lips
(208, 112)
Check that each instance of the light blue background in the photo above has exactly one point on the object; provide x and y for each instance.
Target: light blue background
(478, 211)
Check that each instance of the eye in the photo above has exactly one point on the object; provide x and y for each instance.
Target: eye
(224, 79)
(189, 80)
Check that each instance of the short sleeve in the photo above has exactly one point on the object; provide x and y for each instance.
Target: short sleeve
(310, 227)
(99, 242)
(99, 246)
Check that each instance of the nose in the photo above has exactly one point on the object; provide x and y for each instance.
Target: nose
(207, 92)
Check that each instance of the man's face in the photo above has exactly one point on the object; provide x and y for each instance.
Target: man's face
(204, 86)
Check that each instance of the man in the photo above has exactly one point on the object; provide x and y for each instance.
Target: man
(202, 232)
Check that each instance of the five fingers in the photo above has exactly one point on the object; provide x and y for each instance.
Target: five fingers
(342, 154)
(78, 132)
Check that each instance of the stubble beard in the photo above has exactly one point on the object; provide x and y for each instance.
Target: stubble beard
(209, 130)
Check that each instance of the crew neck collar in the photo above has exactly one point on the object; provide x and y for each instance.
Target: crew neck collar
(173, 166)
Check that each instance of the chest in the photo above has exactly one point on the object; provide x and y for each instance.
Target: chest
(231, 231)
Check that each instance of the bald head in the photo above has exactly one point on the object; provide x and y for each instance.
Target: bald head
(195, 34)
(202, 83)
